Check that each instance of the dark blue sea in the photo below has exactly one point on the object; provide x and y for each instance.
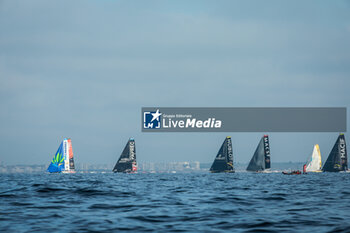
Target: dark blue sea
(194, 202)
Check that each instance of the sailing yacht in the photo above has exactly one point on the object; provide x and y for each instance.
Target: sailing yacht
(260, 161)
(315, 162)
(223, 161)
(127, 160)
(63, 161)
(337, 160)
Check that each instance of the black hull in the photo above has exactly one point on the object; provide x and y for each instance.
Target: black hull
(222, 171)
(124, 172)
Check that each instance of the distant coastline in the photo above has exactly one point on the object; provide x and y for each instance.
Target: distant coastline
(144, 167)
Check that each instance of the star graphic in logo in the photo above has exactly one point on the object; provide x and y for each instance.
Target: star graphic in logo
(156, 115)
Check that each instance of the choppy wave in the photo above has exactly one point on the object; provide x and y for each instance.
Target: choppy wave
(240, 202)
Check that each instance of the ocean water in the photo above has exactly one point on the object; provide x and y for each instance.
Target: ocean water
(196, 202)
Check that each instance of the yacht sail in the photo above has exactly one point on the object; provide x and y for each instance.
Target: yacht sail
(127, 160)
(224, 159)
(338, 158)
(261, 158)
(315, 162)
(63, 161)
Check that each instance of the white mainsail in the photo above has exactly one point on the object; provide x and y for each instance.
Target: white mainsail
(315, 163)
(68, 156)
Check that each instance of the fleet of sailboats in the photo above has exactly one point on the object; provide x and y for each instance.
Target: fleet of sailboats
(337, 161)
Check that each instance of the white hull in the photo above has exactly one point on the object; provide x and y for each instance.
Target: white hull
(70, 171)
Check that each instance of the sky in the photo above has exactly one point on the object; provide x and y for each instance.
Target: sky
(84, 69)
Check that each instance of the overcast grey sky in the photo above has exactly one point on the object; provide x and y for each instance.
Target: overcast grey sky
(84, 69)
